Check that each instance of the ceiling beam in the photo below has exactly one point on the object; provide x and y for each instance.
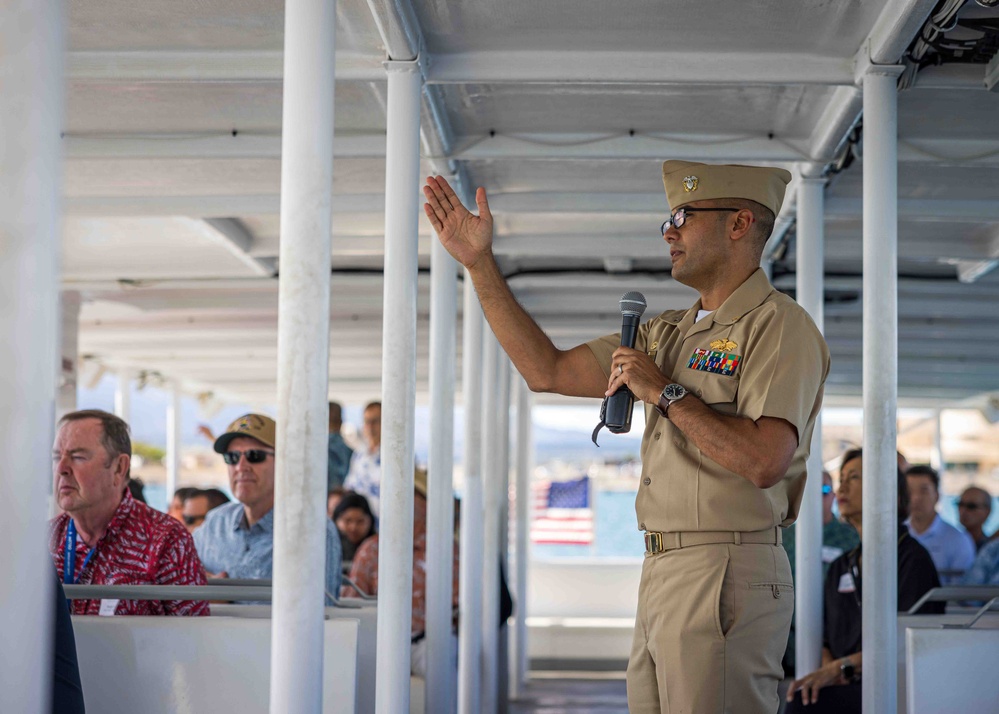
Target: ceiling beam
(586, 67)
(144, 67)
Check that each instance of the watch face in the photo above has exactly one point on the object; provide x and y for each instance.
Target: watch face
(674, 391)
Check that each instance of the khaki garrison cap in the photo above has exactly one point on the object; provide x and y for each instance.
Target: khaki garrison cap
(256, 426)
(689, 181)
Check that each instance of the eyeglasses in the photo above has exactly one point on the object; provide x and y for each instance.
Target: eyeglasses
(254, 456)
(679, 216)
(193, 520)
(826, 489)
(968, 505)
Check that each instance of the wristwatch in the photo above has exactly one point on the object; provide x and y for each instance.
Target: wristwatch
(671, 393)
(847, 669)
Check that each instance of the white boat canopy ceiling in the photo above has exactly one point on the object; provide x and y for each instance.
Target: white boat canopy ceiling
(564, 112)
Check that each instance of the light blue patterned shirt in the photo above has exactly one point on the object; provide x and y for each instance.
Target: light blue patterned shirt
(226, 543)
(365, 476)
(985, 569)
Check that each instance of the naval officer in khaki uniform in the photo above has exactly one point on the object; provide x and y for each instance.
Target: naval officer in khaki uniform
(731, 389)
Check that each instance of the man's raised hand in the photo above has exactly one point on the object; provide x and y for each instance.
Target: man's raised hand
(466, 237)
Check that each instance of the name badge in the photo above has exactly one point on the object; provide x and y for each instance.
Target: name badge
(846, 584)
(108, 607)
(829, 553)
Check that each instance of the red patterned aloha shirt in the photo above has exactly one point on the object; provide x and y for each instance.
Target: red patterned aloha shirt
(140, 547)
(364, 569)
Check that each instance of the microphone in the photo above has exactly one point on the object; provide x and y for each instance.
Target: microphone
(619, 404)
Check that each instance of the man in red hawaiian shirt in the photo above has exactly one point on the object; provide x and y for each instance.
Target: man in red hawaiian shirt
(104, 536)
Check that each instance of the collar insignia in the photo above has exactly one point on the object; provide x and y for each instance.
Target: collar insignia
(723, 345)
(689, 184)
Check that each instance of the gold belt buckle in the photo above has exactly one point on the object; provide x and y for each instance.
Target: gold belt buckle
(653, 543)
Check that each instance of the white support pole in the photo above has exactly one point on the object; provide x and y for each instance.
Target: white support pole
(522, 545)
(441, 694)
(31, 96)
(937, 453)
(880, 287)
(395, 559)
(808, 551)
(470, 555)
(490, 522)
(505, 366)
(303, 358)
(123, 400)
(69, 349)
(172, 442)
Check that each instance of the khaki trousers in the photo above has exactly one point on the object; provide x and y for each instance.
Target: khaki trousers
(712, 626)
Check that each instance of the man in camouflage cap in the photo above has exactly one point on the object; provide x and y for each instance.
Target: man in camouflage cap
(731, 388)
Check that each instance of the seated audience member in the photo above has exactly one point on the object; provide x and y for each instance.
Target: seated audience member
(952, 551)
(237, 539)
(835, 687)
(332, 499)
(198, 504)
(365, 475)
(137, 488)
(67, 690)
(973, 509)
(176, 507)
(355, 522)
(338, 453)
(837, 538)
(364, 573)
(104, 536)
(985, 569)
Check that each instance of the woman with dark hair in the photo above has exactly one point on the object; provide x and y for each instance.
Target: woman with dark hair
(842, 660)
(355, 522)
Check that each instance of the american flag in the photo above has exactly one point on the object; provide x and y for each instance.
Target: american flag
(562, 512)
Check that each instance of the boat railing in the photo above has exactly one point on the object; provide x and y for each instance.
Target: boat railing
(233, 591)
(956, 593)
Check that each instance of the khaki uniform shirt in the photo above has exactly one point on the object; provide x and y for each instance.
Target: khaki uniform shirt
(758, 355)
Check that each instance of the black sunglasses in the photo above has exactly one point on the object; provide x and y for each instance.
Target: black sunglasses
(969, 505)
(192, 520)
(679, 216)
(254, 456)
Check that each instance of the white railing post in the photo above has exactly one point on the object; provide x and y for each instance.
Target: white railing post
(172, 441)
(470, 555)
(123, 400)
(808, 552)
(441, 694)
(490, 522)
(31, 114)
(880, 287)
(395, 546)
(303, 358)
(69, 350)
(522, 544)
(505, 367)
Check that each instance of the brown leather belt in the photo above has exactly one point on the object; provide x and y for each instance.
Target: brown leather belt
(656, 542)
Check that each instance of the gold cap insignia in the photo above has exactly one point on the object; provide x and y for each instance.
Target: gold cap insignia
(689, 184)
(723, 345)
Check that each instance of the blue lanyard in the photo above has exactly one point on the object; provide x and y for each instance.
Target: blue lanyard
(69, 556)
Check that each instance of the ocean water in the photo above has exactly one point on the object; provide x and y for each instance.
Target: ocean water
(616, 533)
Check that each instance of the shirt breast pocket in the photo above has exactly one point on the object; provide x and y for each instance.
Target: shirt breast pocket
(717, 391)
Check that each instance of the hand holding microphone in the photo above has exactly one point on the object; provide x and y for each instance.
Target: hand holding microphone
(615, 413)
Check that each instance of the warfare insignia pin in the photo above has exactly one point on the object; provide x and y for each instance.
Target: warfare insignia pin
(689, 184)
(723, 345)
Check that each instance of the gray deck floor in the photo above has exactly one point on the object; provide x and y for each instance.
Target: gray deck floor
(573, 696)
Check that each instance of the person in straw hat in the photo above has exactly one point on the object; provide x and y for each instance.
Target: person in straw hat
(731, 388)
